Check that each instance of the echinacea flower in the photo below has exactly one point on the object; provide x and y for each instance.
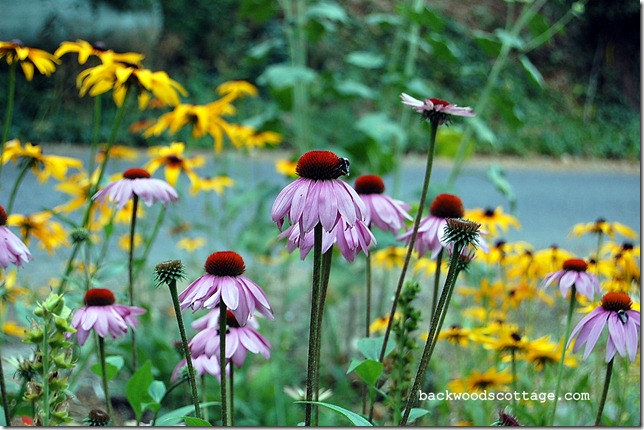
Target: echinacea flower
(202, 364)
(84, 49)
(103, 315)
(318, 196)
(432, 227)
(574, 273)
(435, 109)
(12, 250)
(223, 280)
(239, 340)
(381, 210)
(137, 182)
(15, 52)
(492, 220)
(623, 327)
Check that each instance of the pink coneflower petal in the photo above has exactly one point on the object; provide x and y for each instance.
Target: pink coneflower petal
(584, 327)
(617, 333)
(567, 280)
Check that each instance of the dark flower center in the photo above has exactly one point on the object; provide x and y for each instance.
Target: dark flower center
(500, 244)
(627, 246)
(616, 302)
(99, 46)
(99, 297)
(321, 165)
(488, 213)
(3, 216)
(369, 184)
(447, 206)
(516, 337)
(231, 320)
(225, 263)
(174, 161)
(576, 264)
(136, 173)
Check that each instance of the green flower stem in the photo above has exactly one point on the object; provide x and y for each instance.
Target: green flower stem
(5, 397)
(9, 113)
(314, 330)
(151, 240)
(135, 206)
(95, 133)
(368, 298)
(16, 185)
(602, 402)
(108, 400)
(513, 356)
(231, 397)
(434, 330)
(324, 285)
(205, 397)
(412, 240)
(184, 343)
(560, 367)
(222, 363)
(45, 373)
(437, 277)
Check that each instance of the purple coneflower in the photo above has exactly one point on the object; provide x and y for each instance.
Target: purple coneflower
(432, 228)
(239, 340)
(318, 196)
(101, 314)
(623, 327)
(223, 280)
(381, 210)
(140, 183)
(202, 365)
(12, 249)
(574, 273)
(435, 108)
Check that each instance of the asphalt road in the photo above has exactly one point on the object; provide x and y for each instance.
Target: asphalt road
(550, 199)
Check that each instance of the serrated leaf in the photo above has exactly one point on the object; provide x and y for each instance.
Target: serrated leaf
(113, 364)
(366, 60)
(370, 347)
(356, 420)
(534, 73)
(196, 422)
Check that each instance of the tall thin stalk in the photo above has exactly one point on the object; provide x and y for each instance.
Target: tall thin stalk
(560, 367)
(135, 206)
(104, 379)
(602, 402)
(222, 363)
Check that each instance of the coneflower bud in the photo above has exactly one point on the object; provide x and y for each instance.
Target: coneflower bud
(461, 232)
(97, 418)
(168, 272)
(79, 235)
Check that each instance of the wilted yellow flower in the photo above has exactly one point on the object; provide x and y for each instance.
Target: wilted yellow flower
(51, 234)
(122, 77)
(490, 380)
(237, 89)
(492, 220)
(191, 244)
(175, 162)
(604, 227)
(15, 52)
(42, 165)
(286, 167)
(85, 50)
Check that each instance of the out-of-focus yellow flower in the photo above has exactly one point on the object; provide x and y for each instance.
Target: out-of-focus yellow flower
(286, 167)
(243, 136)
(550, 260)
(492, 220)
(122, 77)
(485, 291)
(201, 117)
(49, 233)
(544, 352)
(604, 227)
(191, 244)
(42, 165)
(217, 184)
(124, 216)
(390, 257)
(625, 259)
(13, 329)
(124, 241)
(480, 314)
(15, 52)
(455, 334)
(490, 380)
(379, 325)
(524, 291)
(501, 251)
(118, 152)
(493, 328)
(237, 89)
(175, 162)
(85, 50)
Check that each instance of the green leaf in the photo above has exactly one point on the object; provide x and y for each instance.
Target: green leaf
(366, 60)
(196, 422)
(327, 11)
(348, 87)
(136, 390)
(282, 76)
(113, 364)
(534, 73)
(356, 420)
(368, 370)
(156, 391)
(508, 38)
(380, 128)
(416, 413)
(370, 347)
(175, 416)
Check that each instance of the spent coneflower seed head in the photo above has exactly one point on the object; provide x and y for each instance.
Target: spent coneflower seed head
(462, 232)
(447, 206)
(506, 420)
(321, 165)
(575, 264)
(97, 418)
(136, 173)
(99, 297)
(169, 272)
(369, 184)
(225, 263)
